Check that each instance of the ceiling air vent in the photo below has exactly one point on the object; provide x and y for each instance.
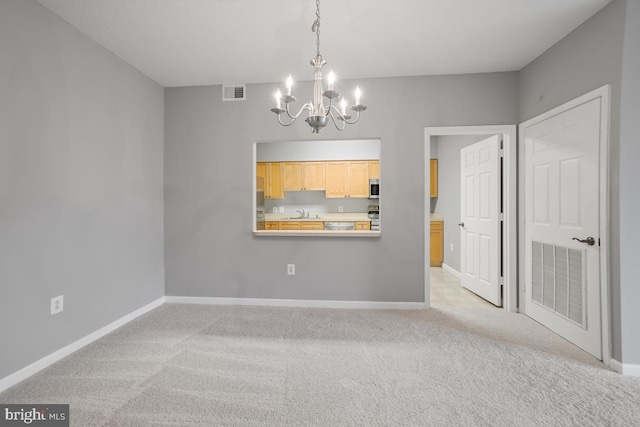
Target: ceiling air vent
(234, 93)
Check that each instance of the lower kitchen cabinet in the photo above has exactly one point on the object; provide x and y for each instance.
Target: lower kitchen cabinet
(363, 225)
(300, 225)
(437, 243)
(271, 225)
(311, 225)
(289, 225)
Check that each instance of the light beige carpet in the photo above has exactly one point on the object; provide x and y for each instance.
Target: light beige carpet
(184, 365)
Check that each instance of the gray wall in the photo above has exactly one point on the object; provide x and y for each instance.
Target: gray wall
(629, 188)
(588, 58)
(210, 249)
(448, 200)
(81, 165)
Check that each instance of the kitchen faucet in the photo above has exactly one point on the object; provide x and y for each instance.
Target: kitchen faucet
(302, 214)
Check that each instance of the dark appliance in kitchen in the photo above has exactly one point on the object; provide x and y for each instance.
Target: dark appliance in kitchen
(374, 216)
(374, 188)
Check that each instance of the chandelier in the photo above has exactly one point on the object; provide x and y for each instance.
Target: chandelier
(319, 113)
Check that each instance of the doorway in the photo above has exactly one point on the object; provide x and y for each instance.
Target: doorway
(508, 190)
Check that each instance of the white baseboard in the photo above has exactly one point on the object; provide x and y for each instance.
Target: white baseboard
(451, 270)
(37, 366)
(376, 305)
(626, 369)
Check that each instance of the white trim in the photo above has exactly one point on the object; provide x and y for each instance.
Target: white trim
(267, 302)
(509, 133)
(451, 270)
(626, 369)
(604, 94)
(37, 366)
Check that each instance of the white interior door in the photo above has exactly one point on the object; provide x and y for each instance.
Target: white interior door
(480, 219)
(561, 230)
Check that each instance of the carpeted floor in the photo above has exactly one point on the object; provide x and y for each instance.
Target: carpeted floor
(185, 365)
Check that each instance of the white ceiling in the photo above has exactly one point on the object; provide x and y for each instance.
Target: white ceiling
(204, 42)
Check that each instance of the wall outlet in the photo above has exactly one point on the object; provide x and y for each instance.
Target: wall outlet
(340, 209)
(57, 304)
(274, 209)
(291, 269)
(451, 247)
(281, 209)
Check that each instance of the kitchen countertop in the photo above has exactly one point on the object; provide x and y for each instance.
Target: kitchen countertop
(437, 217)
(328, 216)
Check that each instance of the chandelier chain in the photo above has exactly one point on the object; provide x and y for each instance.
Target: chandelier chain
(316, 27)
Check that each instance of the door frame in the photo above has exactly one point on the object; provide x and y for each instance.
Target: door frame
(604, 94)
(509, 190)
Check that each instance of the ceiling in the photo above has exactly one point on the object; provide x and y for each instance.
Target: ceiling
(205, 42)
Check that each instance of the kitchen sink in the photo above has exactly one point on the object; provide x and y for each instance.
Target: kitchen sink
(305, 218)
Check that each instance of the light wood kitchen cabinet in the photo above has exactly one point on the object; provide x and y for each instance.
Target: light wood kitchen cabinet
(292, 176)
(358, 179)
(313, 176)
(271, 225)
(289, 225)
(374, 169)
(300, 225)
(433, 190)
(311, 225)
(303, 176)
(363, 225)
(437, 242)
(336, 179)
(347, 179)
(271, 173)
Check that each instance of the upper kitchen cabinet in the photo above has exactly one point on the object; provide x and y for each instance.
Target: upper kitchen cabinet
(313, 176)
(374, 169)
(303, 176)
(271, 174)
(433, 191)
(347, 179)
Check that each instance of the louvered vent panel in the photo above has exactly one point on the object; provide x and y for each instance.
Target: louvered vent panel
(576, 284)
(557, 280)
(536, 288)
(234, 93)
(562, 285)
(548, 276)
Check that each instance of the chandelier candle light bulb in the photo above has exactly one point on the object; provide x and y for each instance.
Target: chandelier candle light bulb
(330, 80)
(278, 96)
(319, 113)
(289, 84)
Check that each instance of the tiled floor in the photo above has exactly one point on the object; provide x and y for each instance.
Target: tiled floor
(447, 291)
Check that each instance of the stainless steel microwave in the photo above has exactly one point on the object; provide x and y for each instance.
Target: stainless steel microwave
(374, 188)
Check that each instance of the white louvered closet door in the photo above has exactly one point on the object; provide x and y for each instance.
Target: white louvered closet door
(562, 275)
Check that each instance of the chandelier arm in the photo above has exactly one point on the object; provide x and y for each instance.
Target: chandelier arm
(338, 126)
(285, 124)
(306, 106)
(344, 118)
(353, 121)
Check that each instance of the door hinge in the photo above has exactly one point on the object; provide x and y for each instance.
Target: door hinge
(501, 217)
(501, 281)
(501, 151)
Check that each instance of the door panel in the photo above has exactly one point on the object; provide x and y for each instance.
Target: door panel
(561, 174)
(480, 215)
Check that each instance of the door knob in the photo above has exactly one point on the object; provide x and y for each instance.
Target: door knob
(461, 224)
(589, 240)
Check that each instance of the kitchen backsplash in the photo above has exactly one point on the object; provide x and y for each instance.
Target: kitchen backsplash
(314, 201)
